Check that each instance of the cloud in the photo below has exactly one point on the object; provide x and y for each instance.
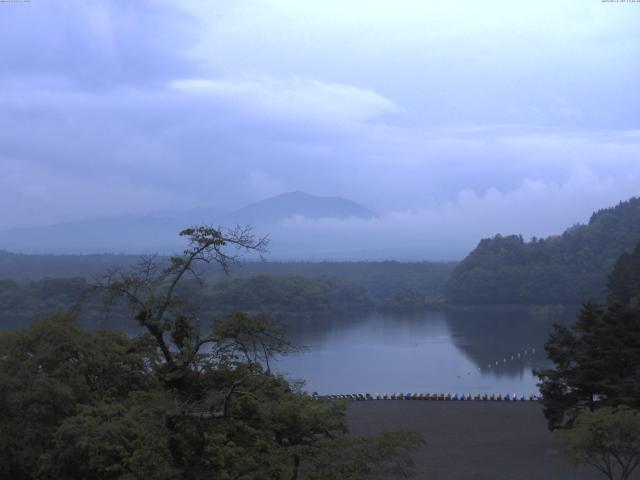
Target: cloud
(200, 142)
(295, 98)
(101, 44)
(43, 195)
(559, 63)
(225, 143)
(449, 231)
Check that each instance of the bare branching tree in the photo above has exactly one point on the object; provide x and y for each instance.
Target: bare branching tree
(151, 291)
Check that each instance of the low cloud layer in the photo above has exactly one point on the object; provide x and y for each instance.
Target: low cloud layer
(451, 230)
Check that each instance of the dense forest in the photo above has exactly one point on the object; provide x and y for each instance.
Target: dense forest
(22, 302)
(567, 269)
(35, 266)
(275, 288)
(382, 279)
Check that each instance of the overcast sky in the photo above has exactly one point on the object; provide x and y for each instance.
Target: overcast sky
(469, 117)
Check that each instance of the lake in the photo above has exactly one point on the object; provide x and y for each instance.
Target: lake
(472, 351)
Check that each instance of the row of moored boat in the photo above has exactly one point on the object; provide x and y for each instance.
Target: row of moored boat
(494, 397)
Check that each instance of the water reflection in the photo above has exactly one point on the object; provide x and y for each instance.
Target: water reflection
(428, 351)
(494, 339)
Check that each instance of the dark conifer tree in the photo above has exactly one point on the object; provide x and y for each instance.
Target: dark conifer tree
(597, 360)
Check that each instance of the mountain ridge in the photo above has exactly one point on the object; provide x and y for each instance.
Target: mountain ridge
(158, 233)
(297, 203)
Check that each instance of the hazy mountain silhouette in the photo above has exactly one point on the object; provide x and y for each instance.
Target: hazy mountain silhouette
(159, 233)
(123, 234)
(293, 204)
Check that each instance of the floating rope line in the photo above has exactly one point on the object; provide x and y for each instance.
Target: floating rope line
(508, 359)
(515, 357)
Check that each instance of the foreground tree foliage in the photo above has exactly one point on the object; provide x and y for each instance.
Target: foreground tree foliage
(607, 439)
(597, 360)
(597, 363)
(58, 380)
(173, 403)
(592, 396)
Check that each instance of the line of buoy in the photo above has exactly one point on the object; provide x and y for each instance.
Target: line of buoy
(510, 358)
(494, 397)
(497, 363)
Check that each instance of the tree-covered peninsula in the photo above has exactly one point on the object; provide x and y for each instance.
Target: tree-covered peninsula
(566, 269)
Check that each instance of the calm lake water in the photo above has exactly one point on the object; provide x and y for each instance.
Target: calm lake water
(456, 352)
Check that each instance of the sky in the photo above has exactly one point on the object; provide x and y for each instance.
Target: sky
(450, 119)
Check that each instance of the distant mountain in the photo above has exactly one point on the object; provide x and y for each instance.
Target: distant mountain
(142, 234)
(566, 269)
(292, 204)
(123, 234)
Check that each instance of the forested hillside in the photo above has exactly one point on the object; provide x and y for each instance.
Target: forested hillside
(624, 281)
(566, 269)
